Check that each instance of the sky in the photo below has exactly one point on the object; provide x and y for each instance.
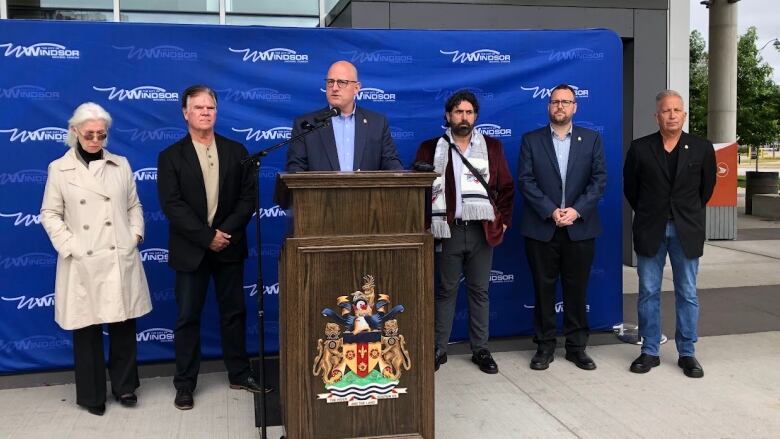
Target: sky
(763, 14)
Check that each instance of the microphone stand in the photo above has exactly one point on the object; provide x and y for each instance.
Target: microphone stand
(255, 160)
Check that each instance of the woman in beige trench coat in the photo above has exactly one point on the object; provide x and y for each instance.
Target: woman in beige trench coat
(93, 217)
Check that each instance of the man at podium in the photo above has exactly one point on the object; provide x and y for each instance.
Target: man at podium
(355, 139)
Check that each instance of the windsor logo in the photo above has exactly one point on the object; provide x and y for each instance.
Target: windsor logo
(489, 56)
(558, 307)
(275, 133)
(277, 54)
(493, 130)
(151, 216)
(29, 303)
(272, 212)
(383, 56)
(22, 219)
(164, 134)
(269, 172)
(28, 260)
(374, 95)
(267, 289)
(401, 134)
(25, 176)
(142, 93)
(272, 250)
(164, 335)
(34, 343)
(591, 126)
(254, 94)
(545, 93)
(159, 255)
(577, 53)
(29, 92)
(145, 174)
(499, 277)
(441, 94)
(45, 134)
(40, 50)
(172, 53)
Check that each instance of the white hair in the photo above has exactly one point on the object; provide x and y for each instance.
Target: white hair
(84, 113)
(667, 93)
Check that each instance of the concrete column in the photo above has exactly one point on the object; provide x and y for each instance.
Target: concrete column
(722, 94)
(722, 102)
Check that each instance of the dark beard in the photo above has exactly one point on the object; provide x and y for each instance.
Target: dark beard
(462, 130)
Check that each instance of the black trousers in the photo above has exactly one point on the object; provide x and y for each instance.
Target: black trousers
(570, 261)
(90, 365)
(191, 288)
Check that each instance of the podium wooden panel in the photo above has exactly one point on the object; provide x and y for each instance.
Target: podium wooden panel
(346, 226)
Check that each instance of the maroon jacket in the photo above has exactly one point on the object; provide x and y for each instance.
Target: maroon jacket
(500, 182)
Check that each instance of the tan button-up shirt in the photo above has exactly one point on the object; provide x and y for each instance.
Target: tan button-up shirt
(209, 165)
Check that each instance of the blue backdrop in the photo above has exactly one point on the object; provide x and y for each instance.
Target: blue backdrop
(264, 77)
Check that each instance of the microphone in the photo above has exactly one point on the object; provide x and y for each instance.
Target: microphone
(325, 115)
(421, 166)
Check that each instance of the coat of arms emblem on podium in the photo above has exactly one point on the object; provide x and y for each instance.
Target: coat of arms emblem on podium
(362, 355)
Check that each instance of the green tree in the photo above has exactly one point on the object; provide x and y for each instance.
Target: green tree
(758, 109)
(697, 107)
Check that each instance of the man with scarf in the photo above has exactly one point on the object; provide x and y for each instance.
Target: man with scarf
(460, 206)
(562, 177)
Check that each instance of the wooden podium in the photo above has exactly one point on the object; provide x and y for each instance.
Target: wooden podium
(359, 249)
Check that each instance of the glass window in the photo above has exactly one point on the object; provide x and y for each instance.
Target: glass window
(58, 14)
(170, 5)
(286, 7)
(254, 20)
(152, 17)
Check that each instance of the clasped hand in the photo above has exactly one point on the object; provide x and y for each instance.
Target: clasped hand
(220, 241)
(565, 217)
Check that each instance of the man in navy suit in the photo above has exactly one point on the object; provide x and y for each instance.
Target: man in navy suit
(562, 176)
(356, 140)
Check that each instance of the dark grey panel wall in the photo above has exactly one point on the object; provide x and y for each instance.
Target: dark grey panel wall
(623, 4)
(463, 16)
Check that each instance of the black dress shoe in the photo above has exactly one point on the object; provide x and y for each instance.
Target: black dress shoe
(251, 385)
(97, 410)
(184, 400)
(439, 358)
(127, 399)
(644, 363)
(542, 360)
(581, 359)
(484, 360)
(691, 367)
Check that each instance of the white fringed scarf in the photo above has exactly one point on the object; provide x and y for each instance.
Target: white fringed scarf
(475, 204)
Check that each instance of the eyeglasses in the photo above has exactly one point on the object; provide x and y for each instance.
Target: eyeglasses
(563, 103)
(340, 82)
(90, 135)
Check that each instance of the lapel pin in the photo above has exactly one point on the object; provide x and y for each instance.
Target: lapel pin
(579, 139)
(365, 120)
(686, 146)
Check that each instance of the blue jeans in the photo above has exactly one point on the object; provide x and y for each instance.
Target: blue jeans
(650, 270)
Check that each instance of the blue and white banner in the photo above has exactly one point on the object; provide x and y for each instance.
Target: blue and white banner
(264, 78)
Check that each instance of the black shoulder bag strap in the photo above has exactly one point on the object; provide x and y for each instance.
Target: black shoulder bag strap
(492, 197)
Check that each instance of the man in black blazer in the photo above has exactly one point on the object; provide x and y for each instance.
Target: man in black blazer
(355, 140)
(562, 177)
(208, 198)
(668, 177)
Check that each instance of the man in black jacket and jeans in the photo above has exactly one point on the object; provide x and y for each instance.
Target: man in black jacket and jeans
(208, 198)
(668, 177)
